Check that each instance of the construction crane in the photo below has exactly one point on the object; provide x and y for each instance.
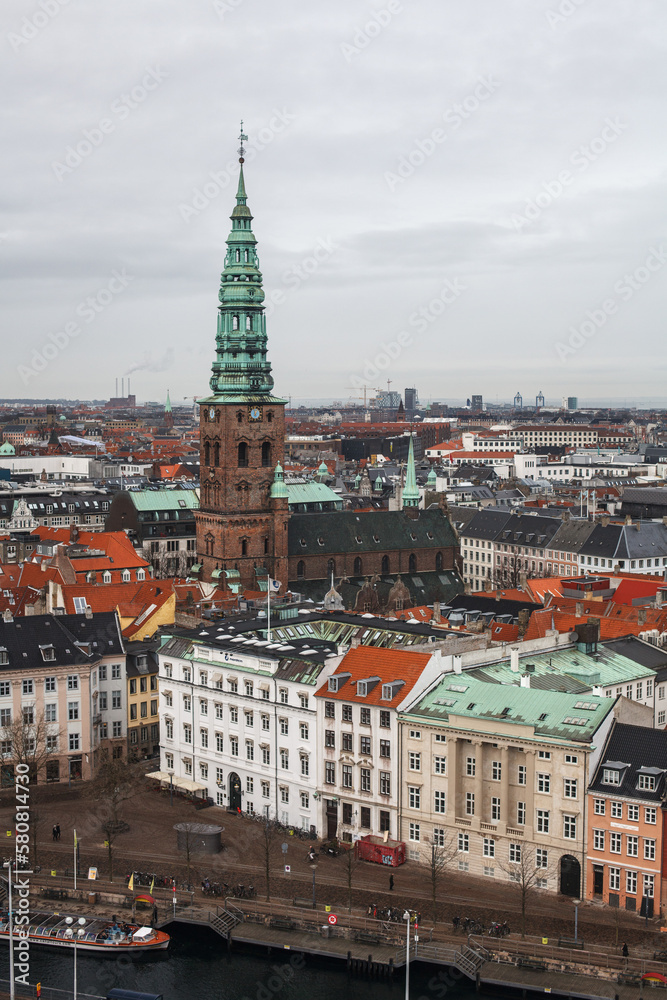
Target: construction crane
(375, 388)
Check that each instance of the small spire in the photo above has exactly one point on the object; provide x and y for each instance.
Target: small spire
(242, 138)
(279, 490)
(241, 196)
(411, 490)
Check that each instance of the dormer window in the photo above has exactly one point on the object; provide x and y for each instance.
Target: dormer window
(389, 691)
(4, 656)
(610, 776)
(336, 682)
(48, 653)
(362, 688)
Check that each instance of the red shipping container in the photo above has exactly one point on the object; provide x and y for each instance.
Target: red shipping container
(383, 852)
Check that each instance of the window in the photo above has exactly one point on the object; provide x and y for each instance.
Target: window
(598, 840)
(365, 716)
(615, 878)
(617, 810)
(28, 715)
(385, 748)
(632, 846)
(303, 729)
(365, 746)
(234, 746)
(249, 750)
(74, 741)
(611, 776)
(346, 742)
(266, 723)
(470, 803)
(572, 758)
(570, 786)
(219, 742)
(489, 847)
(649, 882)
(646, 782)
(542, 820)
(385, 719)
(544, 754)
(51, 744)
(661, 718)
(649, 849)
(599, 807)
(365, 779)
(631, 882)
(615, 843)
(115, 672)
(329, 710)
(440, 765)
(414, 832)
(303, 700)
(266, 755)
(266, 789)
(284, 726)
(464, 843)
(117, 730)
(633, 813)
(521, 813)
(233, 713)
(496, 770)
(72, 710)
(414, 797)
(347, 776)
(415, 734)
(415, 761)
(50, 712)
(541, 857)
(515, 853)
(495, 809)
(233, 685)
(169, 727)
(330, 773)
(49, 685)
(544, 783)
(305, 800)
(385, 783)
(439, 836)
(649, 814)
(203, 735)
(470, 767)
(347, 713)
(330, 739)
(523, 771)
(283, 696)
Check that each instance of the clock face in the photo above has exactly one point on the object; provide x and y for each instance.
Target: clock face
(211, 414)
(255, 413)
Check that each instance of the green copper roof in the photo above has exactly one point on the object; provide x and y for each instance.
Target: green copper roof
(165, 499)
(552, 714)
(568, 669)
(411, 490)
(432, 479)
(241, 366)
(167, 405)
(279, 490)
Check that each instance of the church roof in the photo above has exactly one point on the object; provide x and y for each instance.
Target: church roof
(372, 531)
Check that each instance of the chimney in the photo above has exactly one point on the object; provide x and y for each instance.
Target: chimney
(355, 643)
(579, 609)
(89, 611)
(641, 616)
(514, 660)
(525, 680)
(638, 525)
(523, 581)
(628, 519)
(456, 663)
(7, 616)
(664, 521)
(604, 521)
(467, 589)
(437, 617)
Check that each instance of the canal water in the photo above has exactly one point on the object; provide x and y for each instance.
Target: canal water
(197, 967)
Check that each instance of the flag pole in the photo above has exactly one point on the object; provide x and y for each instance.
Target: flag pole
(268, 611)
(75, 859)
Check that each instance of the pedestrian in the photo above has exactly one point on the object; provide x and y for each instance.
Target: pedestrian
(154, 915)
(55, 833)
(625, 952)
(391, 883)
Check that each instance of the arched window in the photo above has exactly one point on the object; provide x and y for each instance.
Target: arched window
(438, 561)
(207, 453)
(266, 453)
(358, 568)
(243, 455)
(301, 569)
(331, 567)
(248, 322)
(235, 322)
(244, 546)
(412, 563)
(239, 416)
(266, 545)
(216, 453)
(269, 416)
(385, 564)
(247, 256)
(238, 256)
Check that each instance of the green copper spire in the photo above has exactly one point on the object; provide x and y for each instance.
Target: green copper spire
(279, 490)
(241, 368)
(410, 490)
(167, 405)
(432, 479)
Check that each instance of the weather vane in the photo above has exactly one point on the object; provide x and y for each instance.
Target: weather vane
(242, 138)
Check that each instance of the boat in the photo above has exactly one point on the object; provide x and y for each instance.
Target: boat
(97, 934)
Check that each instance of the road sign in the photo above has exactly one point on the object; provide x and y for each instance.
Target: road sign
(284, 848)
(333, 919)
(288, 869)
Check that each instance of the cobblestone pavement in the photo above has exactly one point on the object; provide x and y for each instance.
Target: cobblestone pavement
(150, 846)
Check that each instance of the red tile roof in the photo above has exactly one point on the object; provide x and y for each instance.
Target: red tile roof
(387, 664)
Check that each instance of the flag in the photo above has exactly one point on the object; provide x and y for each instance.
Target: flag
(152, 886)
(75, 840)
(130, 884)
(274, 586)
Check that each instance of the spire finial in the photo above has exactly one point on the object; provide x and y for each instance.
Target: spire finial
(242, 138)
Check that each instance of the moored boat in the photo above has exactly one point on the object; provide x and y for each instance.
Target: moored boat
(97, 934)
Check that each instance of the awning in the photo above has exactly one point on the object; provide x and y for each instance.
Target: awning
(159, 775)
(184, 783)
(195, 568)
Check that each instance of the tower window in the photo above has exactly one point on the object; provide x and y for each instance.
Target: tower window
(438, 561)
(207, 453)
(243, 455)
(235, 322)
(239, 416)
(412, 563)
(301, 569)
(244, 546)
(358, 568)
(331, 567)
(266, 453)
(238, 256)
(248, 322)
(216, 451)
(385, 564)
(266, 545)
(269, 417)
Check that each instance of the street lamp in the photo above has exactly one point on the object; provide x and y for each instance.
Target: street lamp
(81, 923)
(406, 917)
(577, 903)
(314, 869)
(171, 788)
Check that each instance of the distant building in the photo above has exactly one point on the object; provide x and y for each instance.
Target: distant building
(411, 400)
(476, 403)
(518, 401)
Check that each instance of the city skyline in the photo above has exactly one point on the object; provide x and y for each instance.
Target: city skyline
(495, 196)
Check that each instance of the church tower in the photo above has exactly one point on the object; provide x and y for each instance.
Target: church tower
(242, 520)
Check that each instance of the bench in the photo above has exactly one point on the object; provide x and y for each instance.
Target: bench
(305, 903)
(282, 923)
(367, 937)
(54, 893)
(533, 964)
(564, 942)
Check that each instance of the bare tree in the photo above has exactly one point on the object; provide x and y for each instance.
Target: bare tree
(526, 873)
(270, 838)
(352, 863)
(438, 863)
(115, 781)
(31, 741)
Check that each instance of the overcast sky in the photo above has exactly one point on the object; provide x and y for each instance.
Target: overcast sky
(483, 182)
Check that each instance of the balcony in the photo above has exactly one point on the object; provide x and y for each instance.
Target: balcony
(463, 822)
(512, 832)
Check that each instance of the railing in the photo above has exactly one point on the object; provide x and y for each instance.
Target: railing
(463, 822)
